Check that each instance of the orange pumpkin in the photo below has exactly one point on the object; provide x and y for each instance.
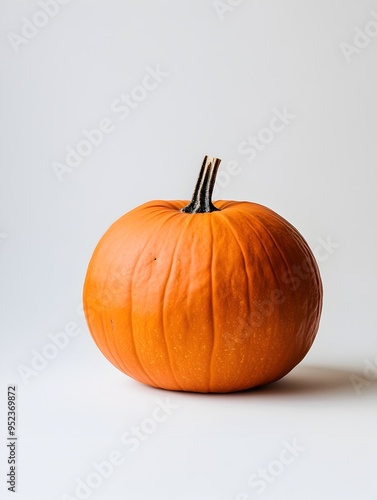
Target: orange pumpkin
(204, 298)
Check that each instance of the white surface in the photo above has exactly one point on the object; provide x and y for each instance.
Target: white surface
(224, 80)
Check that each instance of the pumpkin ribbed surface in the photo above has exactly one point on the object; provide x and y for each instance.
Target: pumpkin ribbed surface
(205, 302)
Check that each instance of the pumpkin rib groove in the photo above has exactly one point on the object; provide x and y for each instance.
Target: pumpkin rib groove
(109, 339)
(277, 281)
(310, 258)
(305, 249)
(112, 351)
(276, 246)
(151, 381)
(248, 281)
(280, 252)
(140, 369)
(103, 337)
(117, 354)
(132, 321)
(314, 267)
(303, 245)
(211, 296)
(183, 230)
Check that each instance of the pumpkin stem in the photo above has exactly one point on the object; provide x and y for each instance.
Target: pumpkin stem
(202, 198)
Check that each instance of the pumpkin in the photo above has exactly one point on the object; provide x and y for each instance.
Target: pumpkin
(202, 297)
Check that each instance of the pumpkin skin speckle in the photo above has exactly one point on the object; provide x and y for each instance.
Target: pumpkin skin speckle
(213, 301)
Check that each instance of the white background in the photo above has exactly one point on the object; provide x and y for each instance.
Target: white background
(226, 72)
